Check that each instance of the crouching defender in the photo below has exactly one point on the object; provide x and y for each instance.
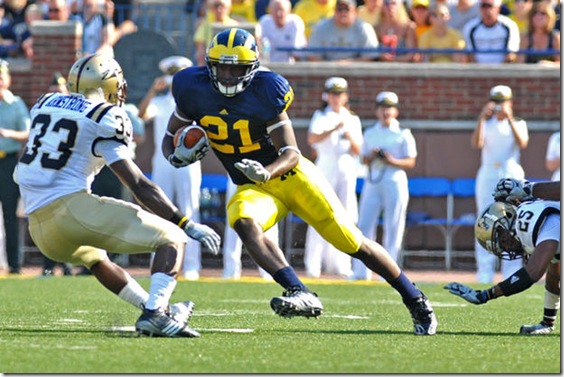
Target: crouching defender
(530, 230)
(243, 110)
(72, 137)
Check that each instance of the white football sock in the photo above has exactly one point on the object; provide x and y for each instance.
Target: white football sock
(134, 294)
(161, 289)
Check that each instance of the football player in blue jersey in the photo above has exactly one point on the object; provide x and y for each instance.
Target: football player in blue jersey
(243, 109)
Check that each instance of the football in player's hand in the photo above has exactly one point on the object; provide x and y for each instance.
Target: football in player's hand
(192, 134)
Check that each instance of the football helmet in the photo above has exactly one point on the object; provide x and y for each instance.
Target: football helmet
(232, 60)
(98, 74)
(498, 216)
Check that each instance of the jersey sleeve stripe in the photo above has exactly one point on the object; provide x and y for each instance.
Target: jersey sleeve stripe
(542, 217)
(41, 101)
(98, 112)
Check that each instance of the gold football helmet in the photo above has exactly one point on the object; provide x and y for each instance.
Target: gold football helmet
(232, 61)
(493, 225)
(98, 74)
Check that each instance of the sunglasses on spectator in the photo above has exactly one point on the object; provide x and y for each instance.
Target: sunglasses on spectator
(343, 9)
(54, 10)
(541, 13)
(486, 5)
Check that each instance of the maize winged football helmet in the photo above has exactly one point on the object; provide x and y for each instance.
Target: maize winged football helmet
(232, 60)
(497, 216)
(98, 74)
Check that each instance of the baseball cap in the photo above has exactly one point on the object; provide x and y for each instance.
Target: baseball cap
(336, 85)
(500, 93)
(420, 3)
(351, 3)
(387, 99)
(4, 66)
(173, 64)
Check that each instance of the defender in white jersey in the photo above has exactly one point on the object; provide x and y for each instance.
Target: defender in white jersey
(530, 231)
(72, 137)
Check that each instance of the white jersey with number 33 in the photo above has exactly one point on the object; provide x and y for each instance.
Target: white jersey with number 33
(537, 221)
(68, 144)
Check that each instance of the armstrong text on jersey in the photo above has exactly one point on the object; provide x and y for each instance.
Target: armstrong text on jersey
(69, 103)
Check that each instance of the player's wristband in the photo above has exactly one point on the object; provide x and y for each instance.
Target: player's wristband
(516, 283)
(179, 219)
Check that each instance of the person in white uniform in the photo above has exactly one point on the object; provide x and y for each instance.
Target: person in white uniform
(552, 161)
(531, 231)
(233, 246)
(500, 136)
(81, 132)
(336, 135)
(181, 185)
(388, 150)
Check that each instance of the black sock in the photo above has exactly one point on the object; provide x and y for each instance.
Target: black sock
(405, 287)
(287, 278)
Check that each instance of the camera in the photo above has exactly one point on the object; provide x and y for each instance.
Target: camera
(380, 154)
(497, 107)
(168, 80)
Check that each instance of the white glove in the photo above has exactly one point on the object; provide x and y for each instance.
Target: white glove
(253, 170)
(204, 234)
(467, 293)
(186, 155)
(513, 191)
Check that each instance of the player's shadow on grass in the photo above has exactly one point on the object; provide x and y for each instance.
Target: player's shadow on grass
(395, 332)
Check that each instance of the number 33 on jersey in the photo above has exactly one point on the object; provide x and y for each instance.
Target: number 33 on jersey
(69, 135)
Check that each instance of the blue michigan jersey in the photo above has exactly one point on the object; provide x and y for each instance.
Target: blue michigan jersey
(236, 126)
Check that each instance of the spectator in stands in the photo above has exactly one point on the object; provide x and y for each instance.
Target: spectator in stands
(313, 11)
(336, 135)
(21, 31)
(500, 136)
(219, 9)
(421, 15)
(15, 10)
(233, 245)
(491, 31)
(261, 7)
(344, 29)
(121, 26)
(462, 12)
(541, 35)
(14, 131)
(58, 10)
(440, 36)
(396, 30)
(388, 150)
(182, 186)
(243, 11)
(520, 14)
(282, 29)
(59, 85)
(98, 29)
(8, 47)
(552, 161)
(370, 11)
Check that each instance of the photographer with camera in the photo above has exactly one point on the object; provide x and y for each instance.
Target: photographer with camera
(388, 150)
(500, 136)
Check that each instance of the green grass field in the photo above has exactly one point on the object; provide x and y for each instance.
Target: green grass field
(73, 325)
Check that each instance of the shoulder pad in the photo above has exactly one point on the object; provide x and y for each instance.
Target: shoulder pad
(98, 112)
(113, 123)
(41, 100)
